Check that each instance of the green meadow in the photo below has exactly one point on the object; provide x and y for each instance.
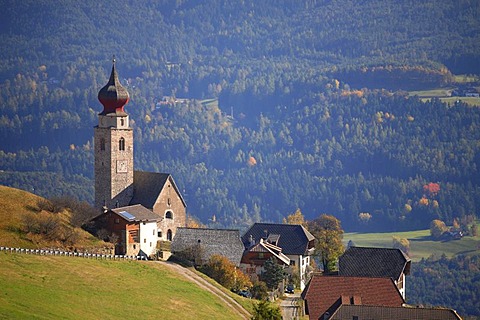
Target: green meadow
(421, 244)
(47, 287)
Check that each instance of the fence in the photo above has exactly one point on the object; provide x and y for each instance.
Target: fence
(44, 252)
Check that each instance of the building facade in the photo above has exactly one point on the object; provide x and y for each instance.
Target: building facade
(118, 185)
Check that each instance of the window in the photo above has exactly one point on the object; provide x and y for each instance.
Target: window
(169, 215)
(153, 231)
(169, 202)
(150, 244)
(122, 122)
(102, 144)
(169, 235)
(145, 240)
(134, 246)
(292, 262)
(159, 234)
(121, 144)
(117, 221)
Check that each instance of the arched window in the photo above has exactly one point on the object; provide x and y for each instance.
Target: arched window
(121, 144)
(102, 144)
(169, 215)
(169, 235)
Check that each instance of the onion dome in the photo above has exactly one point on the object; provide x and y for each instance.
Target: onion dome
(113, 96)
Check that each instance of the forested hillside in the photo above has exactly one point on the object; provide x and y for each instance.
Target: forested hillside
(305, 105)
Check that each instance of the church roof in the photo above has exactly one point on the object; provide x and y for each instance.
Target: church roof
(294, 239)
(113, 95)
(148, 185)
(136, 213)
(373, 262)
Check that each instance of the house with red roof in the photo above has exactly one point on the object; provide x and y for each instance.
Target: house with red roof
(324, 294)
(376, 263)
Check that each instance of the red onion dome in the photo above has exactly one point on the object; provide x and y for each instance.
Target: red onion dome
(113, 96)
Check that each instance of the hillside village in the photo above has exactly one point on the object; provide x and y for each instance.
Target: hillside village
(147, 214)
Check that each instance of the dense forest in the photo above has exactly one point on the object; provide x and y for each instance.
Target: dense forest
(446, 282)
(288, 104)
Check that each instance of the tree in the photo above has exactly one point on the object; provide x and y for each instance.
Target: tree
(226, 273)
(259, 290)
(402, 244)
(264, 310)
(273, 273)
(295, 218)
(328, 233)
(437, 228)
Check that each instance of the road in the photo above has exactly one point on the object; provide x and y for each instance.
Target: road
(290, 306)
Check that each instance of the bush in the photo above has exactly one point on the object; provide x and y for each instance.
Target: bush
(264, 310)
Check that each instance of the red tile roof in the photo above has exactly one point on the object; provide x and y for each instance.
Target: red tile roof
(387, 313)
(326, 293)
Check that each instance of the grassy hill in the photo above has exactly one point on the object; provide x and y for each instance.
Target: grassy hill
(17, 205)
(38, 287)
(421, 244)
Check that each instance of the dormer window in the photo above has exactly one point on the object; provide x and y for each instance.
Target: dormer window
(121, 144)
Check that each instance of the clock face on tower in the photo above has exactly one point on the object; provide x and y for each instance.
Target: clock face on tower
(122, 166)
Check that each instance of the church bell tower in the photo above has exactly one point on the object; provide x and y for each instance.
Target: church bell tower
(113, 140)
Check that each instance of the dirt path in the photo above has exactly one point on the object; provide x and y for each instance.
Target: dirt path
(193, 277)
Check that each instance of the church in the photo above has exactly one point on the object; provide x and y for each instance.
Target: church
(140, 208)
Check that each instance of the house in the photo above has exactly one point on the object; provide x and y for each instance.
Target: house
(363, 312)
(117, 184)
(295, 242)
(375, 263)
(255, 257)
(324, 294)
(135, 227)
(199, 244)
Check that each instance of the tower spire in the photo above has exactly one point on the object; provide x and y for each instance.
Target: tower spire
(113, 96)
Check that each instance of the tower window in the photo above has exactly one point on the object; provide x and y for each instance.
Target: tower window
(102, 144)
(121, 144)
(122, 122)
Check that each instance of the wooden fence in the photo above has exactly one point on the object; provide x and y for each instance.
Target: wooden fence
(51, 252)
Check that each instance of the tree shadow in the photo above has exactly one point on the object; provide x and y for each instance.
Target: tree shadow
(421, 239)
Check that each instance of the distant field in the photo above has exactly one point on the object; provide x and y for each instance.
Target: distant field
(444, 93)
(421, 245)
(46, 287)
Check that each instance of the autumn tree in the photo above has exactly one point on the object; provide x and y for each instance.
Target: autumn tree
(295, 218)
(226, 273)
(402, 244)
(328, 233)
(437, 228)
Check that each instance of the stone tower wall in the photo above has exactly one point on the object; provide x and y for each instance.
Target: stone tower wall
(113, 167)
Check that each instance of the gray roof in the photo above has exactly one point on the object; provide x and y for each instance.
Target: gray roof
(292, 238)
(225, 242)
(363, 312)
(147, 187)
(373, 262)
(136, 213)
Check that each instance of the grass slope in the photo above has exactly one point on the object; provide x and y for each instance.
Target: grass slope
(421, 244)
(45, 287)
(14, 204)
